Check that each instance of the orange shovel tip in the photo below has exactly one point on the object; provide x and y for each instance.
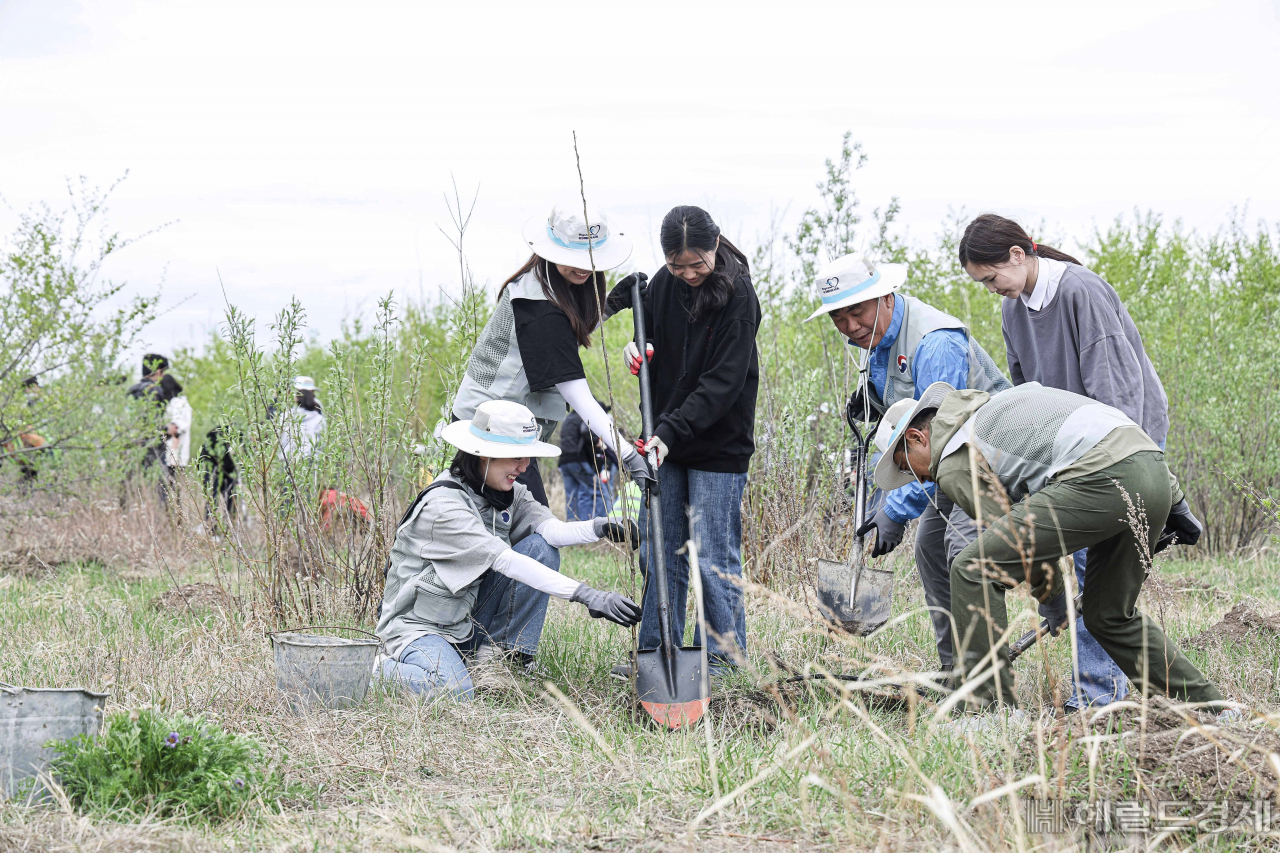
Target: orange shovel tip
(673, 716)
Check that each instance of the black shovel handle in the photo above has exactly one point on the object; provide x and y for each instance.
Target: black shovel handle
(1019, 646)
(653, 493)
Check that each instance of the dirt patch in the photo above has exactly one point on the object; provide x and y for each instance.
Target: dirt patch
(1206, 765)
(1241, 626)
(28, 562)
(195, 596)
(745, 710)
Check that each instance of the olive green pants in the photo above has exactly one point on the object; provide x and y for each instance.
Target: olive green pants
(1085, 512)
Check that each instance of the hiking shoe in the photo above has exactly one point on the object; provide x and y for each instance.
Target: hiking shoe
(1230, 717)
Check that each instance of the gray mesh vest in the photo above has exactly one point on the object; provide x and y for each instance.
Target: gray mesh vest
(416, 599)
(918, 320)
(495, 370)
(1030, 433)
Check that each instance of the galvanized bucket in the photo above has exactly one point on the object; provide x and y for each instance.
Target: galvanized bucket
(32, 716)
(314, 671)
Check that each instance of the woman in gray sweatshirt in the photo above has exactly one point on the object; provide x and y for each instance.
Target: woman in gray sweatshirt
(1065, 327)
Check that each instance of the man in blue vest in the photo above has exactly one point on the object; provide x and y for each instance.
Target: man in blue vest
(908, 346)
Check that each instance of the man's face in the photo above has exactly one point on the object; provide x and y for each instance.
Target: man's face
(912, 455)
(866, 322)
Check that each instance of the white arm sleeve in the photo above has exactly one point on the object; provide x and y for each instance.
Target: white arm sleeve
(561, 534)
(578, 395)
(530, 572)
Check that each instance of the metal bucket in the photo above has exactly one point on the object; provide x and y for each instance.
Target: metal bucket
(32, 716)
(315, 671)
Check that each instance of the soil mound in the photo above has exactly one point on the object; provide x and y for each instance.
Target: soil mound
(195, 596)
(1241, 626)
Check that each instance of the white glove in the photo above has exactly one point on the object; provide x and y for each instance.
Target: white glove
(653, 442)
(631, 356)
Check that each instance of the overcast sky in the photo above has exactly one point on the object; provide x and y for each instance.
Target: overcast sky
(305, 148)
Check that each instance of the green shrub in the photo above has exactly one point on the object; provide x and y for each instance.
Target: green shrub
(168, 766)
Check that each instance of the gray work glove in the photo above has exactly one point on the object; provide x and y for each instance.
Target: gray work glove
(1181, 526)
(617, 531)
(888, 533)
(638, 468)
(607, 605)
(1054, 612)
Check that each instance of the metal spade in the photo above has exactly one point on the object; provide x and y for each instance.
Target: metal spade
(854, 595)
(669, 680)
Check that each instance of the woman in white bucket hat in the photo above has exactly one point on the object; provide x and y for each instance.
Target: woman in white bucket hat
(528, 351)
(475, 557)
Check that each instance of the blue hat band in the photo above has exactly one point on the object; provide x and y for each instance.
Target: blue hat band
(501, 439)
(577, 247)
(851, 291)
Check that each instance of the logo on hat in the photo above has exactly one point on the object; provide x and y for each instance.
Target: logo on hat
(831, 285)
(531, 428)
(902, 364)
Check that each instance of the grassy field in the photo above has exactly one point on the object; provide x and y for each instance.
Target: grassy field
(516, 769)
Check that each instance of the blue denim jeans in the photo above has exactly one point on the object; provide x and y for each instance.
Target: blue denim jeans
(585, 497)
(1102, 681)
(715, 502)
(508, 614)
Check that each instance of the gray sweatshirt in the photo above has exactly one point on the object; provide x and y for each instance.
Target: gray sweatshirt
(1084, 341)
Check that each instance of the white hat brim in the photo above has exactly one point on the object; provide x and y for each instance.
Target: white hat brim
(459, 434)
(888, 475)
(613, 253)
(892, 277)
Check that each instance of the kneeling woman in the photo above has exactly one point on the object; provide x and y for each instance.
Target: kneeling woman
(475, 558)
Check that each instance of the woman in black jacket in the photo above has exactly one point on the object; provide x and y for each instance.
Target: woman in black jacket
(701, 315)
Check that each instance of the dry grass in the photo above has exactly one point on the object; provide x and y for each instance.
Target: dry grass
(513, 770)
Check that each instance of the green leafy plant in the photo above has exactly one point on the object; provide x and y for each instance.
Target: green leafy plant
(168, 766)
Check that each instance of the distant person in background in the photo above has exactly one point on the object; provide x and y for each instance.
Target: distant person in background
(586, 469)
(173, 448)
(303, 425)
(549, 309)
(24, 450)
(1065, 327)
(218, 472)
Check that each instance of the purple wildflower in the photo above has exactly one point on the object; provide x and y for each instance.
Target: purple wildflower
(172, 740)
(239, 783)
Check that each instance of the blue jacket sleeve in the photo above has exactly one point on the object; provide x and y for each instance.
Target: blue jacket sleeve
(907, 503)
(941, 356)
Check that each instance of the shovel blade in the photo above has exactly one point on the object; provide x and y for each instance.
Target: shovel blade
(874, 602)
(673, 708)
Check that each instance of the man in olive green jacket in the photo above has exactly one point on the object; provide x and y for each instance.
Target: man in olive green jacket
(1046, 472)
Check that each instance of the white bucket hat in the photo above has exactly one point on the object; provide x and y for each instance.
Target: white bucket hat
(888, 475)
(563, 237)
(304, 383)
(852, 279)
(500, 429)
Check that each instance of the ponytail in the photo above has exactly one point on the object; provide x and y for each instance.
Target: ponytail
(988, 239)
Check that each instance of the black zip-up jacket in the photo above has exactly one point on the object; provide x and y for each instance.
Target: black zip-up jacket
(704, 374)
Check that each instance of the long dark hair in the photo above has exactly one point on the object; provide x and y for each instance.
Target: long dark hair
(689, 227)
(467, 467)
(579, 304)
(307, 400)
(988, 239)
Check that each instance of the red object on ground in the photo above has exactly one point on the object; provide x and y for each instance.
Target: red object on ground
(332, 500)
